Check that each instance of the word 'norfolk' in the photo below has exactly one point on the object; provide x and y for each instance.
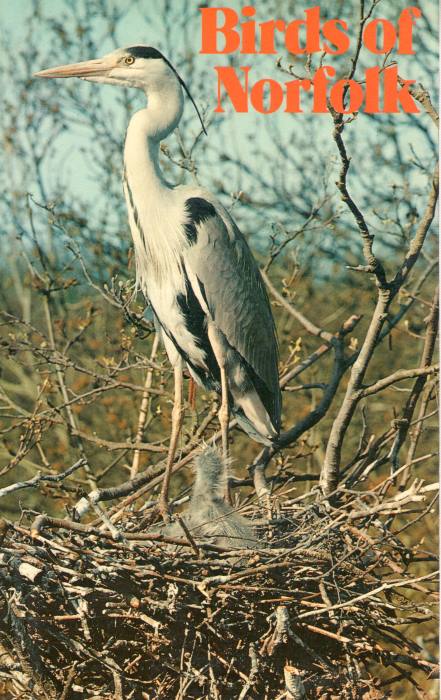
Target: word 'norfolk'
(381, 90)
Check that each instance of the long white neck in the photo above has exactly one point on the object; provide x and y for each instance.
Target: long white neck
(165, 104)
(153, 221)
(141, 154)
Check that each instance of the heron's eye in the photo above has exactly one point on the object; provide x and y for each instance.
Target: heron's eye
(129, 60)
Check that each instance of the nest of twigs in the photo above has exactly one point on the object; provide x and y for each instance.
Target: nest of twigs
(315, 612)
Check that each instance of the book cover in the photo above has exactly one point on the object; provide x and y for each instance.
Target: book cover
(219, 358)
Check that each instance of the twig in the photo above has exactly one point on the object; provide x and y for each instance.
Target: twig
(30, 483)
(307, 325)
(293, 683)
(384, 587)
(63, 389)
(144, 408)
(398, 376)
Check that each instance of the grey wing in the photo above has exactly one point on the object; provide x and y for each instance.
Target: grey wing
(233, 289)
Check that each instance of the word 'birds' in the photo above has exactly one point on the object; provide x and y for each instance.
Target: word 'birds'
(192, 262)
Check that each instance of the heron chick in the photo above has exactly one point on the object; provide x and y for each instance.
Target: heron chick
(192, 262)
(208, 517)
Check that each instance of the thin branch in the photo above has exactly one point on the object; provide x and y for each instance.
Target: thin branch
(38, 479)
(347, 327)
(426, 359)
(398, 376)
(144, 408)
(373, 265)
(386, 293)
(63, 389)
(307, 325)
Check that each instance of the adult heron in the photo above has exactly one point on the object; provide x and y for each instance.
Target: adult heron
(192, 262)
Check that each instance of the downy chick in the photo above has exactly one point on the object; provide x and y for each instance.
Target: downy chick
(208, 517)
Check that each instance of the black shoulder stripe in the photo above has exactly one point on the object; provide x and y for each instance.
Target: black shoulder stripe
(196, 323)
(199, 210)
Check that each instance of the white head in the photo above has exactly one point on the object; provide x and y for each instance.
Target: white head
(141, 67)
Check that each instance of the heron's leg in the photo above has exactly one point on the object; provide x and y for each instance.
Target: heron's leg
(224, 419)
(224, 413)
(219, 345)
(192, 393)
(177, 419)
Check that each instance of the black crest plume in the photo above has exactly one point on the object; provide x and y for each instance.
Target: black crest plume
(150, 52)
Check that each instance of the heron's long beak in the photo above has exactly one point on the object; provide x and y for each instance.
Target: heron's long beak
(85, 69)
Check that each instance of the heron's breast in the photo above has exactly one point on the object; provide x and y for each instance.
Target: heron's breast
(155, 225)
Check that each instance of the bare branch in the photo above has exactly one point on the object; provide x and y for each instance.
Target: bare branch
(386, 293)
(39, 478)
(397, 376)
(307, 325)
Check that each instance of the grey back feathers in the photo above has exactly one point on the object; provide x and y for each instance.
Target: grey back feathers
(236, 297)
(208, 517)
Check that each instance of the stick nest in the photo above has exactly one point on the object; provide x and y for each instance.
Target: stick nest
(317, 612)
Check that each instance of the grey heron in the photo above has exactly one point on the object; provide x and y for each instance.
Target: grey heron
(192, 262)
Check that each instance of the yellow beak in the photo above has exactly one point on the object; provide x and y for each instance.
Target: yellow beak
(85, 69)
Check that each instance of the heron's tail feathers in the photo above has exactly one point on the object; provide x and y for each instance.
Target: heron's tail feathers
(211, 472)
(249, 428)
